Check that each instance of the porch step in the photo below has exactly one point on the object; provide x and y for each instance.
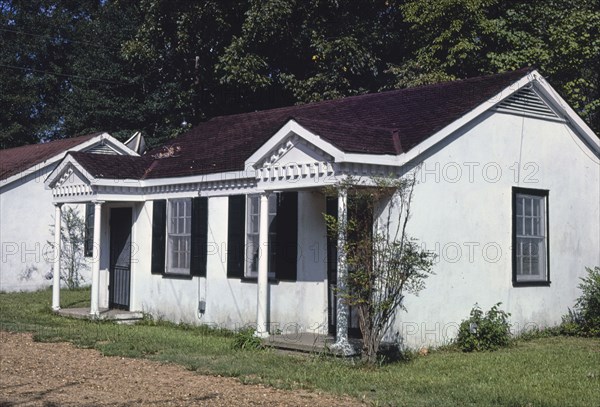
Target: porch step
(308, 342)
(122, 317)
(119, 316)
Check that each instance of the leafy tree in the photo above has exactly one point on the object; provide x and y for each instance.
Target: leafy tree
(69, 67)
(474, 37)
(104, 92)
(313, 50)
(31, 45)
(61, 73)
(383, 262)
(174, 52)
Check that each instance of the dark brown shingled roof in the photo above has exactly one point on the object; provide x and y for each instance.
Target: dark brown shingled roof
(18, 159)
(391, 122)
(113, 166)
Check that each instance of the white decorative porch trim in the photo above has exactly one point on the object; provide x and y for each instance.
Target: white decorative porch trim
(262, 309)
(56, 267)
(95, 295)
(342, 345)
(294, 171)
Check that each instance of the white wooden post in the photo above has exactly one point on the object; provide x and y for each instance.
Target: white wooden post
(341, 344)
(56, 271)
(94, 301)
(262, 330)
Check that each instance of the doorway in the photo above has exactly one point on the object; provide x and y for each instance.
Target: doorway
(120, 258)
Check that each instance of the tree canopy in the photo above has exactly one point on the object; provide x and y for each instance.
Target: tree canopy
(157, 66)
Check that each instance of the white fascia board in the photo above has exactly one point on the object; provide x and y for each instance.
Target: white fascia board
(124, 182)
(58, 171)
(218, 176)
(100, 197)
(293, 127)
(573, 118)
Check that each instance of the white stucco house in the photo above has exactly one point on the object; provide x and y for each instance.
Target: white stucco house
(224, 225)
(27, 211)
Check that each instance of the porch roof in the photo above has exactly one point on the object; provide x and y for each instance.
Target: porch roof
(113, 166)
(386, 123)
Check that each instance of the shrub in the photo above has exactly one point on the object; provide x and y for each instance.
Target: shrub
(584, 319)
(481, 332)
(245, 339)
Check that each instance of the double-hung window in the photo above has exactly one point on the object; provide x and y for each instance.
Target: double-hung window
(179, 236)
(253, 249)
(530, 236)
(243, 241)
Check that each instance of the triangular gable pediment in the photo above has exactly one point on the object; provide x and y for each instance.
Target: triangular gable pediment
(293, 144)
(72, 176)
(69, 174)
(294, 150)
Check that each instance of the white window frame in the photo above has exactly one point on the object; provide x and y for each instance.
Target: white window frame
(180, 232)
(530, 237)
(253, 235)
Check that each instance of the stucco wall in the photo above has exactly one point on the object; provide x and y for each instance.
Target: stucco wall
(231, 303)
(462, 212)
(26, 213)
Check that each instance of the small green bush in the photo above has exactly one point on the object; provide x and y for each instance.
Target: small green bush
(584, 319)
(481, 332)
(245, 339)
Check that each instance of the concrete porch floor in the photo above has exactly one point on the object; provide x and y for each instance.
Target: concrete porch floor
(120, 316)
(309, 342)
(300, 341)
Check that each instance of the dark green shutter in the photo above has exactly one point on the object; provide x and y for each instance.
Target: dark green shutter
(236, 236)
(159, 223)
(287, 236)
(331, 206)
(199, 236)
(89, 230)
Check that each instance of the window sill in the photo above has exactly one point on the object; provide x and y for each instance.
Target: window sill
(531, 283)
(179, 276)
(272, 280)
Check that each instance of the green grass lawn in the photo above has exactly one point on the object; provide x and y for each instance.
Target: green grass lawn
(555, 371)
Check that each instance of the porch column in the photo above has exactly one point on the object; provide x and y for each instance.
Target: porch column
(56, 267)
(94, 301)
(341, 344)
(262, 330)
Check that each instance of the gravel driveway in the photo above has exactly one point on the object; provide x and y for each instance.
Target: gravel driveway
(59, 374)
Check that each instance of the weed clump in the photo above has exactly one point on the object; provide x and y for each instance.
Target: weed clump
(484, 331)
(244, 339)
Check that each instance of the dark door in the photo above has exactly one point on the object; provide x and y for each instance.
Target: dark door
(120, 258)
(353, 324)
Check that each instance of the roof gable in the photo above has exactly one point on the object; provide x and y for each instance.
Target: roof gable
(387, 128)
(19, 161)
(386, 123)
(293, 143)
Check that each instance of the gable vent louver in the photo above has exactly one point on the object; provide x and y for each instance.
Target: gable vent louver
(101, 149)
(527, 102)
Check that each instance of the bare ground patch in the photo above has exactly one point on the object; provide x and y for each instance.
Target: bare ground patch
(59, 374)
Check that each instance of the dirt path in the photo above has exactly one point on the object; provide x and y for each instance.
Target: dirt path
(59, 374)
